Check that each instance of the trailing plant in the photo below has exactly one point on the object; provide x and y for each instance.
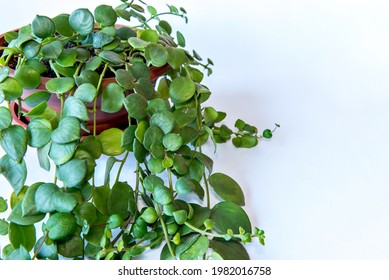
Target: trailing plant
(167, 203)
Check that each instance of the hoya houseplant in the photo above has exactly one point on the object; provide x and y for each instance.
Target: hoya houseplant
(85, 91)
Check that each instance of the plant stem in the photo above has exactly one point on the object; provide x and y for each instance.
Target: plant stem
(169, 245)
(128, 221)
(123, 161)
(169, 174)
(40, 246)
(97, 94)
(203, 232)
(206, 186)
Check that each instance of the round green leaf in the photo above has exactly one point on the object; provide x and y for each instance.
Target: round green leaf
(176, 58)
(229, 250)
(82, 21)
(138, 43)
(185, 115)
(153, 135)
(43, 27)
(73, 172)
(162, 195)
(62, 153)
(101, 39)
(31, 48)
(60, 85)
(172, 141)
(111, 141)
(136, 106)
(37, 98)
(228, 215)
(4, 72)
(67, 131)
(46, 251)
(164, 120)
(85, 211)
(3, 205)
(62, 25)
(227, 188)
(184, 186)
(44, 197)
(118, 199)
(28, 203)
(149, 36)
(17, 217)
(14, 142)
(74, 107)
(3, 227)
(39, 132)
(180, 216)
(156, 54)
(86, 92)
(115, 221)
(112, 99)
(112, 58)
(52, 50)
(140, 70)
(15, 172)
(182, 89)
(149, 215)
(156, 105)
(144, 87)
(22, 236)
(11, 89)
(5, 118)
(152, 181)
(105, 15)
(67, 58)
(155, 165)
(92, 145)
(125, 79)
(61, 225)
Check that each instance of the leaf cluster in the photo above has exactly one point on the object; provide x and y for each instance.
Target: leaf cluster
(168, 203)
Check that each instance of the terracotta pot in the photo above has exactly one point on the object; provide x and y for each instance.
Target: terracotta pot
(103, 120)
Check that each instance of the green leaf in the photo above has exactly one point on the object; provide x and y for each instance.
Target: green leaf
(137, 43)
(37, 110)
(86, 92)
(47, 251)
(62, 25)
(228, 215)
(207, 161)
(101, 39)
(43, 158)
(245, 141)
(52, 50)
(112, 58)
(67, 58)
(164, 120)
(149, 215)
(17, 217)
(185, 115)
(62, 153)
(74, 107)
(19, 254)
(3, 205)
(162, 195)
(82, 21)
(136, 106)
(43, 27)
(111, 141)
(197, 250)
(44, 197)
(180, 39)
(22, 236)
(37, 98)
(184, 186)
(28, 77)
(85, 211)
(92, 145)
(3, 227)
(180, 216)
(172, 141)
(153, 135)
(156, 105)
(28, 204)
(118, 199)
(166, 26)
(140, 152)
(136, 250)
(227, 188)
(73, 172)
(200, 215)
(31, 49)
(11, 89)
(72, 248)
(267, 133)
(5, 118)
(140, 70)
(39, 132)
(100, 198)
(60, 85)
(4, 73)
(152, 181)
(15, 172)
(229, 250)
(112, 99)
(61, 225)
(125, 79)
(177, 57)
(105, 15)
(128, 138)
(110, 163)
(155, 165)
(144, 87)
(149, 36)
(182, 89)
(156, 54)
(67, 131)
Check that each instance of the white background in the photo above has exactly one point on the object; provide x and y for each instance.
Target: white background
(319, 68)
